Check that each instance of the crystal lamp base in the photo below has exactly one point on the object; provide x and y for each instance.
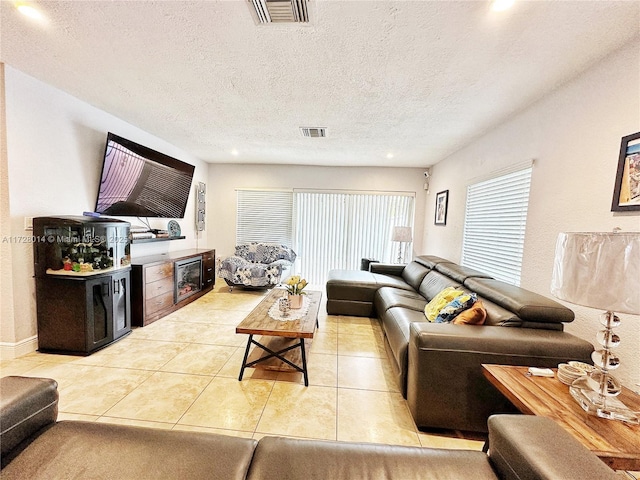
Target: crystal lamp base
(599, 405)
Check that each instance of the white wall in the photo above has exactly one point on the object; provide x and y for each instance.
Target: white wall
(224, 179)
(574, 136)
(55, 145)
(6, 283)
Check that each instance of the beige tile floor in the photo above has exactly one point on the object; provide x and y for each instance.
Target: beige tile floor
(181, 373)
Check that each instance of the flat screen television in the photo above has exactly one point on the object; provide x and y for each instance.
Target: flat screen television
(140, 182)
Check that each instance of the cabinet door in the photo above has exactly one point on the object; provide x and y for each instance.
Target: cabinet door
(62, 314)
(99, 312)
(120, 284)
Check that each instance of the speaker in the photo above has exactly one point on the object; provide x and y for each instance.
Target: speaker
(201, 203)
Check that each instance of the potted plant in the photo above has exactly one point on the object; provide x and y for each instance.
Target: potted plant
(294, 286)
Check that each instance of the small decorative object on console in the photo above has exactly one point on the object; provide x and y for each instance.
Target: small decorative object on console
(174, 228)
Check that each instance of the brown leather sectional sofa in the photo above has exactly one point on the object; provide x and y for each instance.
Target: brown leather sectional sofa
(438, 365)
(35, 446)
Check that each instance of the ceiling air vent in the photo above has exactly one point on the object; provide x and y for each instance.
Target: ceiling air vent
(313, 132)
(281, 11)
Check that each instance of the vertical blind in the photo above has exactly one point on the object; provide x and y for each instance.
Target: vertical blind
(495, 224)
(337, 230)
(264, 216)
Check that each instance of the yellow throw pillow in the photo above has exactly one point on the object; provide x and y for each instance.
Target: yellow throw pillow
(437, 303)
(476, 315)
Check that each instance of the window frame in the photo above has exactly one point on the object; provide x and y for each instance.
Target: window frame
(493, 236)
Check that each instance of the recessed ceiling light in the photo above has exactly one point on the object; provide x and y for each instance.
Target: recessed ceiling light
(389, 155)
(234, 152)
(29, 11)
(501, 5)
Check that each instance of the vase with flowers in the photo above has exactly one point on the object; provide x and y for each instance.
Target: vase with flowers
(294, 286)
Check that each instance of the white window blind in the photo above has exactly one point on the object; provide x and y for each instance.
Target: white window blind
(264, 216)
(495, 224)
(337, 230)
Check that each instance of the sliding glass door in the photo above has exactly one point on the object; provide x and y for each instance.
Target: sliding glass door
(335, 230)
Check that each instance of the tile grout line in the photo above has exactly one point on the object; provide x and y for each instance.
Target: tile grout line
(337, 394)
(123, 397)
(193, 402)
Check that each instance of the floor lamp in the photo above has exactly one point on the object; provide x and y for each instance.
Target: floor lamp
(401, 235)
(600, 270)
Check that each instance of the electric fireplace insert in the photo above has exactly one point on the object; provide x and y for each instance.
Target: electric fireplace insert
(188, 278)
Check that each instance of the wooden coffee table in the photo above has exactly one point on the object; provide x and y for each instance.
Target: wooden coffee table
(282, 340)
(616, 443)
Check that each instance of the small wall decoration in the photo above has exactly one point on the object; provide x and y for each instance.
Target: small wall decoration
(173, 228)
(442, 203)
(626, 193)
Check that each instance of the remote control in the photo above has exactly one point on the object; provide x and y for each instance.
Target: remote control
(540, 372)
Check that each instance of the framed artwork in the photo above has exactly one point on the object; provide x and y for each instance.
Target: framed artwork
(442, 203)
(626, 192)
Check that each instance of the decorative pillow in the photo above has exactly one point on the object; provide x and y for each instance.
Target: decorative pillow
(432, 309)
(455, 307)
(476, 315)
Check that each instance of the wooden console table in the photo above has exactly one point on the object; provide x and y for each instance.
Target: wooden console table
(153, 284)
(616, 443)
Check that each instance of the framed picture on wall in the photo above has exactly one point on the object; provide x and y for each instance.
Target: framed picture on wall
(626, 192)
(442, 203)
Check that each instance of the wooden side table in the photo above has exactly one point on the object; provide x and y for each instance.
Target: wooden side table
(616, 443)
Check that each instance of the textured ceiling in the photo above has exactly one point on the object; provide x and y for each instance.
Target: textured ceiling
(419, 79)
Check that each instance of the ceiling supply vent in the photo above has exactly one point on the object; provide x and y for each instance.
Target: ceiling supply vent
(281, 11)
(313, 132)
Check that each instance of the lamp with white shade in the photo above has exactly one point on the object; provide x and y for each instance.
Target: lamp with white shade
(600, 270)
(402, 235)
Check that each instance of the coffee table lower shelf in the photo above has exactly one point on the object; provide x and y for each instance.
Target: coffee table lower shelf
(277, 353)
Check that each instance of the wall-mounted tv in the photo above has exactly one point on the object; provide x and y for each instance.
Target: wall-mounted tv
(140, 182)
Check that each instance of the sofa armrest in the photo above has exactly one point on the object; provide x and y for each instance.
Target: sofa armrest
(27, 405)
(280, 263)
(387, 268)
(445, 384)
(524, 446)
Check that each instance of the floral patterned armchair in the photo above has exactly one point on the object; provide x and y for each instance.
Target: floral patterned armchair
(257, 265)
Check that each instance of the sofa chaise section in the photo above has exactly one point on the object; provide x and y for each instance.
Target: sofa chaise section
(352, 292)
